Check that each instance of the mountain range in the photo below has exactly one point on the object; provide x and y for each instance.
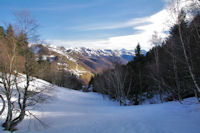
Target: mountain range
(83, 62)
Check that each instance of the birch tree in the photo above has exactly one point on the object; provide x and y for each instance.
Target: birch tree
(17, 58)
(180, 15)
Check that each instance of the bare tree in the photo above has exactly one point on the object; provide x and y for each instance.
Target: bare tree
(116, 83)
(25, 24)
(2, 41)
(179, 14)
(18, 59)
(4, 104)
(120, 77)
(156, 43)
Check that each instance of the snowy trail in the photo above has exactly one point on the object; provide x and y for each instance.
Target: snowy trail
(78, 112)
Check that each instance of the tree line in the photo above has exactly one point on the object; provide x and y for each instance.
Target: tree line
(169, 70)
(19, 67)
(56, 74)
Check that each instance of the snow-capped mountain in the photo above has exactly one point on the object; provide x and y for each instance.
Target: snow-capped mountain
(102, 52)
(83, 62)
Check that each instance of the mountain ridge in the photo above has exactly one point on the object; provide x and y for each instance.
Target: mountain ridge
(81, 61)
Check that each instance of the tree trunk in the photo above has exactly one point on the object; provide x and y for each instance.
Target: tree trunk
(4, 104)
(177, 79)
(9, 115)
(187, 60)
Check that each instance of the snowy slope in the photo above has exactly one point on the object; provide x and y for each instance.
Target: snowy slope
(70, 111)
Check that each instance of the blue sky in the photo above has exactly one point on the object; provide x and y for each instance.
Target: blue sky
(89, 23)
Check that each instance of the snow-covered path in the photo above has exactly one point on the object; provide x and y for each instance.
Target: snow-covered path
(73, 111)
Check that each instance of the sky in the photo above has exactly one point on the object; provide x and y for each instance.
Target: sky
(107, 24)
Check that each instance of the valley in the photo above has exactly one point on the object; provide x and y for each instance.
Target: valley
(83, 62)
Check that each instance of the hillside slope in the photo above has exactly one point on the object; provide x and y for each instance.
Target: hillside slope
(73, 111)
(83, 62)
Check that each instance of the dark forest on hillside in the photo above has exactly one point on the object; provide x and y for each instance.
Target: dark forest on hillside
(170, 69)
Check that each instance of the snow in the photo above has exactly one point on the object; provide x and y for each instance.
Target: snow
(77, 71)
(92, 51)
(77, 112)
(62, 64)
(101, 52)
(70, 111)
(61, 51)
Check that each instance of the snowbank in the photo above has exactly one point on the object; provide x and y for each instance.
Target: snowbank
(70, 111)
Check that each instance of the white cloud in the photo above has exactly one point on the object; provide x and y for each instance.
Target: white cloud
(80, 43)
(108, 26)
(159, 22)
